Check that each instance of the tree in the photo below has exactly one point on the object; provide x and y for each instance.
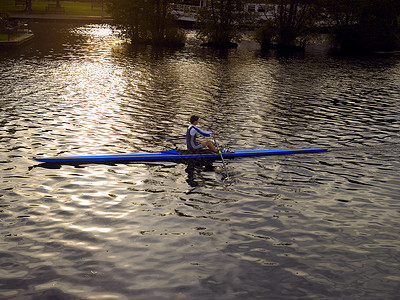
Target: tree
(219, 22)
(3, 22)
(364, 25)
(291, 24)
(28, 6)
(146, 21)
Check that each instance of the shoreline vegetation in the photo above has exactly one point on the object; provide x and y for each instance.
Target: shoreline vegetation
(353, 27)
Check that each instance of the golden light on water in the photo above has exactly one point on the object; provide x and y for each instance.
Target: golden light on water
(93, 88)
(91, 229)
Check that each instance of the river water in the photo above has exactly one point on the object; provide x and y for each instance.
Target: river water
(304, 226)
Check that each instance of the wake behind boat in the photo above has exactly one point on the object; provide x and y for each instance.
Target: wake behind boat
(172, 155)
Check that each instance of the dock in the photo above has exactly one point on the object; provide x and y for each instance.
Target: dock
(18, 41)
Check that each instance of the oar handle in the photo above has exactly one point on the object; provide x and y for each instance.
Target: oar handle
(220, 153)
(215, 142)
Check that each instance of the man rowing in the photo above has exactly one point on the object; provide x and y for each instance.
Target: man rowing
(193, 131)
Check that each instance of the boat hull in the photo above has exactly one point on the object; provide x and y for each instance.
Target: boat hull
(172, 155)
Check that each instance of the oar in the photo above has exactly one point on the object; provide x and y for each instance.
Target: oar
(220, 153)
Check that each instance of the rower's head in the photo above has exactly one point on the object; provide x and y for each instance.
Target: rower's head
(194, 119)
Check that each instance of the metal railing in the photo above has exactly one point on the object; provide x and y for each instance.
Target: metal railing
(182, 10)
(14, 29)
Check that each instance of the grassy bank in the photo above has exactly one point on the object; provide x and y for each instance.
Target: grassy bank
(40, 6)
(4, 37)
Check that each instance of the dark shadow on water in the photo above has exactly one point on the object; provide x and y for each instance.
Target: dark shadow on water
(193, 166)
(58, 165)
(153, 52)
(283, 52)
(197, 166)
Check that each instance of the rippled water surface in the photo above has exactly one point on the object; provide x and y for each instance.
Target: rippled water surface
(305, 226)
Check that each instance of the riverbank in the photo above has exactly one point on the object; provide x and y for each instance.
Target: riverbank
(49, 6)
(26, 37)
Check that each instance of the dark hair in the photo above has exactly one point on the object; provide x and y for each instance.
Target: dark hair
(193, 119)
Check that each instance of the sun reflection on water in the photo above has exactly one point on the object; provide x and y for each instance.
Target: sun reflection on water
(93, 88)
(91, 229)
